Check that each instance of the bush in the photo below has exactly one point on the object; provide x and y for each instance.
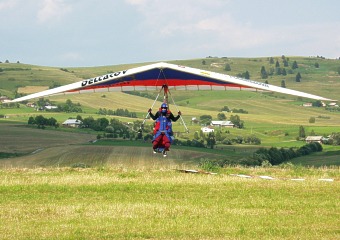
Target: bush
(80, 165)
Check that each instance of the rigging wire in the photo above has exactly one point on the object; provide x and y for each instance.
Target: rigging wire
(180, 116)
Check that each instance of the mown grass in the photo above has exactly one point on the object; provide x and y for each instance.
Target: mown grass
(121, 203)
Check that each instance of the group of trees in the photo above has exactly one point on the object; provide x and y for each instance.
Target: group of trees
(334, 139)
(112, 128)
(277, 156)
(117, 112)
(7, 61)
(234, 110)
(41, 121)
(68, 106)
(235, 119)
(9, 105)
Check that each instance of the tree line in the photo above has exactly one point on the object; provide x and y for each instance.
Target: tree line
(117, 112)
(277, 156)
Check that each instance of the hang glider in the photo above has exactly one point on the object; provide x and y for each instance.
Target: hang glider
(154, 77)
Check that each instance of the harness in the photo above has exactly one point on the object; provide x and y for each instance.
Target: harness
(163, 126)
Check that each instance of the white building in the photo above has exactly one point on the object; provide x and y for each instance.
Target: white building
(72, 123)
(222, 124)
(310, 139)
(207, 130)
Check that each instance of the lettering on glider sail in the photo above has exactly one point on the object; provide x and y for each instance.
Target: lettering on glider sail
(101, 78)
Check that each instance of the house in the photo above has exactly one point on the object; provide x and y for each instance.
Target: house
(50, 107)
(72, 123)
(222, 124)
(333, 104)
(32, 105)
(207, 130)
(310, 139)
(4, 99)
(194, 120)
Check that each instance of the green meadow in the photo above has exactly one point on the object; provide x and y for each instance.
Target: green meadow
(149, 203)
(63, 184)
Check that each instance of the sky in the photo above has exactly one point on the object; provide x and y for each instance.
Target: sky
(85, 33)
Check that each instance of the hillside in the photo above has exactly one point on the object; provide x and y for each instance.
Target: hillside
(274, 118)
(323, 80)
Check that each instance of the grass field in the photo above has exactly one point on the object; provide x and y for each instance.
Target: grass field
(134, 203)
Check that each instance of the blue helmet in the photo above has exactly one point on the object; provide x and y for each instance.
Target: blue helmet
(164, 107)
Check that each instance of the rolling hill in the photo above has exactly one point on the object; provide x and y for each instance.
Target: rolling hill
(274, 118)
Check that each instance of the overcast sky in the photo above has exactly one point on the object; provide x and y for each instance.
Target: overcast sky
(69, 33)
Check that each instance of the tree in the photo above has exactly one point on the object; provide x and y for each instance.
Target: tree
(202, 134)
(264, 73)
(285, 63)
(211, 141)
(52, 122)
(271, 60)
(317, 103)
(221, 116)
(225, 109)
(218, 136)
(298, 77)
(283, 83)
(88, 122)
(203, 62)
(40, 120)
(277, 64)
(278, 71)
(338, 70)
(236, 120)
(316, 65)
(246, 75)
(302, 133)
(205, 119)
(295, 65)
(227, 67)
(312, 120)
(31, 120)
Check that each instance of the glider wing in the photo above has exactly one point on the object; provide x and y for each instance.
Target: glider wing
(154, 76)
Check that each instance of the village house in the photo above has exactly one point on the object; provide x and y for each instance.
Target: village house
(310, 139)
(31, 104)
(333, 104)
(72, 123)
(50, 107)
(4, 99)
(228, 124)
(207, 130)
(309, 104)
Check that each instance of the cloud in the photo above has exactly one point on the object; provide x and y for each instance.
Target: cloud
(71, 56)
(52, 10)
(136, 2)
(7, 4)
